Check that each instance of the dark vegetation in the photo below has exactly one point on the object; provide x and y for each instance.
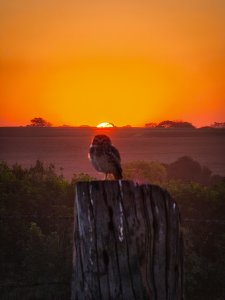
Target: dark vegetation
(182, 125)
(36, 227)
(170, 124)
(39, 122)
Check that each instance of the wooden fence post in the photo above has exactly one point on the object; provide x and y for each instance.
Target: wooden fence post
(127, 243)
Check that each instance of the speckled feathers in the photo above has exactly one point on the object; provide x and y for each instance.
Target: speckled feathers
(105, 157)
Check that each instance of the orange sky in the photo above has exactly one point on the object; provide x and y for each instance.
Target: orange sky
(125, 62)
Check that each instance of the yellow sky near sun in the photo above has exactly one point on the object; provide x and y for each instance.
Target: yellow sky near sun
(125, 62)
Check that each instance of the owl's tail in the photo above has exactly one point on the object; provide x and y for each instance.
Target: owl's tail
(118, 174)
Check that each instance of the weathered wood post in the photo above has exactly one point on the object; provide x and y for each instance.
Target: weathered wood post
(127, 243)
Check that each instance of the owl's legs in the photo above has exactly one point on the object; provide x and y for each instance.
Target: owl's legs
(106, 176)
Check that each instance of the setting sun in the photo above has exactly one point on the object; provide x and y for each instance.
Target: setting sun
(105, 125)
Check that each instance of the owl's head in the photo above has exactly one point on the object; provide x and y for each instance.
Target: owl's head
(100, 140)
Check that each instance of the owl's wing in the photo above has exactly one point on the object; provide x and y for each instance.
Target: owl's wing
(114, 157)
(114, 154)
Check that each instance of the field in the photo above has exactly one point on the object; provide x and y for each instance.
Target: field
(67, 148)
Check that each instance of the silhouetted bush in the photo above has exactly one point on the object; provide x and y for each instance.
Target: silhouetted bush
(186, 169)
(36, 228)
(142, 171)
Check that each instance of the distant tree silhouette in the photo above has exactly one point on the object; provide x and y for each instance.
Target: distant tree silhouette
(218, 125)
(174, 124)
(39, 122)
(127, 126)
(170, 124)
(151, 125)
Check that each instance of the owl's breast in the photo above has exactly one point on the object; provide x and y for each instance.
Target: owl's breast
(100, 159)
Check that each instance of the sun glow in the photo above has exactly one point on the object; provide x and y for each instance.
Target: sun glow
(120, 61)
(105, 125)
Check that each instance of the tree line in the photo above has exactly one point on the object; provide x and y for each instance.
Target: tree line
(182, 124)
(41, 122)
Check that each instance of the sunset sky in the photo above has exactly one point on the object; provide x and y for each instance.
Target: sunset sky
(125, 62)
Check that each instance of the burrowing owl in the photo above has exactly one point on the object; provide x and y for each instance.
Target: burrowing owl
(105, 157)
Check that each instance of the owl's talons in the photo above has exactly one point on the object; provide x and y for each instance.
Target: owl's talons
(106, 176)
